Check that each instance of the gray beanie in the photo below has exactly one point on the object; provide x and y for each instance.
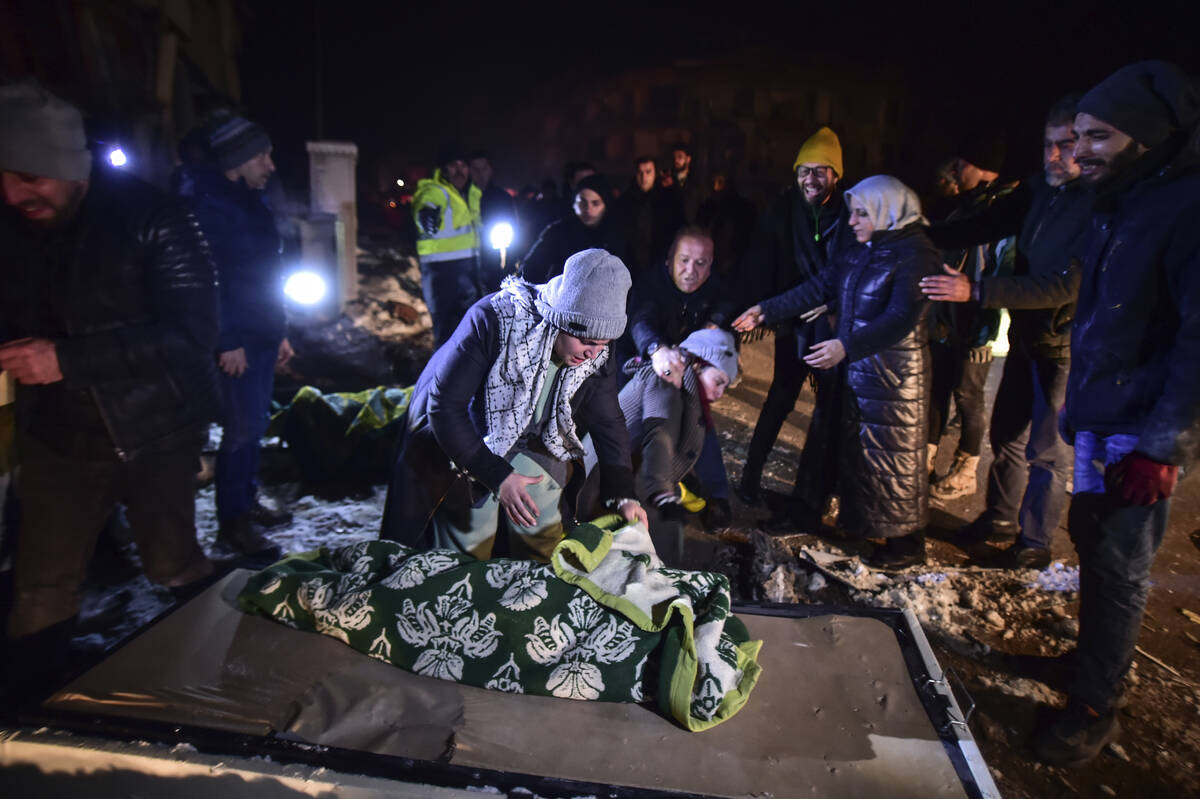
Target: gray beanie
(716, 347)
(236, 140)
(1147, 101)
(588, 299)
(41, 134)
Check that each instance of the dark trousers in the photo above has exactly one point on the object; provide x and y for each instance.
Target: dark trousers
(450, 289)
(786, 384)
(1116, 544)
(245, 405)
(65, 502)
(1027, 482)
(960, 375)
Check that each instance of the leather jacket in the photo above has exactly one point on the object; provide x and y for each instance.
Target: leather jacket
(128, 293)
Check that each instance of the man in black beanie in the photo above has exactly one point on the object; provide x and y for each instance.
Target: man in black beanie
(961, 351)
(1133, 394)
(227, 198)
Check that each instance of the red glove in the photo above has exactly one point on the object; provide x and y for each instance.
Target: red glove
(1139, 480)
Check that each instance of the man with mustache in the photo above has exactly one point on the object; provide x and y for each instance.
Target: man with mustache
(1133, 396)
(1026, 485)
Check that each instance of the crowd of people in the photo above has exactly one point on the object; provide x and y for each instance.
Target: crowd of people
(583, 383)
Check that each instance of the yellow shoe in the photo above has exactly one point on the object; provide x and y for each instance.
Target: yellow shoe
(692, 503)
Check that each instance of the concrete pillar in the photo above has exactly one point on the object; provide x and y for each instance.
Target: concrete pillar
(331, 166)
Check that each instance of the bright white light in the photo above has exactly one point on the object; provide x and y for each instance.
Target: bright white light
(305, 288)
(400, 182)
(116, 157)
(501, 235)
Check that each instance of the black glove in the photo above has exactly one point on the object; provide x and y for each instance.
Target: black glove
(431, 219)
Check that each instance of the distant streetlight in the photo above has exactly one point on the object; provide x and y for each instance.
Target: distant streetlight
(400, 182)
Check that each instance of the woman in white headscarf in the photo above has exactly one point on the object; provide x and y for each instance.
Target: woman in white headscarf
(881, 335)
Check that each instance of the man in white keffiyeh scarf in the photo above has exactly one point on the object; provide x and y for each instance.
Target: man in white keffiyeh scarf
(502, 400)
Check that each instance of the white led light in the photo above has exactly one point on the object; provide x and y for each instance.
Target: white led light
(117, 157)
(501, 235)
(305, 288)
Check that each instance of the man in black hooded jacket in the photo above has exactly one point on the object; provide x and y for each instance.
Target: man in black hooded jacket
(1133, 395)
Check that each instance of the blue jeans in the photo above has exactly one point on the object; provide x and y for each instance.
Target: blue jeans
(710, 467)
(245, 404)
(1027, 483)
(1116, 544)
(450, 289)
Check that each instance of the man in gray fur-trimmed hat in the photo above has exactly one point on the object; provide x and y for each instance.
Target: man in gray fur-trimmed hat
(495, 421)
(108, 322)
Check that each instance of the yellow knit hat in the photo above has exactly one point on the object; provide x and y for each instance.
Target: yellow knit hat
(822, 147)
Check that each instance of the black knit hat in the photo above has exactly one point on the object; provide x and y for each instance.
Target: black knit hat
(985, 149)
(1147, 101)
(236, 140)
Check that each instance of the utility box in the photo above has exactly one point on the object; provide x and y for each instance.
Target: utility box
(332, 190)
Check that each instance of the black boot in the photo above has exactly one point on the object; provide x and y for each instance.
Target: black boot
(901, 552)
(240, 534)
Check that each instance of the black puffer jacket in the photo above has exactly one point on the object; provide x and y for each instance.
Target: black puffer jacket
(666, 430)
(132, 307)
(882, 322)
(444, 428)
(1136, 341)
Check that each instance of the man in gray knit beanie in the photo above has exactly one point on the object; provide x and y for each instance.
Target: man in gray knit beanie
(43, 154)
(504, 402)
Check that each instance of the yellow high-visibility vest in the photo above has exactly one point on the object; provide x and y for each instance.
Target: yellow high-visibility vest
(458, 234)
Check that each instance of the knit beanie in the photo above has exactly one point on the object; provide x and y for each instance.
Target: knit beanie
(598, 184)
(588, 299)
(822, 147)
(41, 134)
(1147, 101)
(985, 149)
(236, 140)
(716, 347)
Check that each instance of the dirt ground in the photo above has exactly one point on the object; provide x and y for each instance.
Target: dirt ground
(1001, 632)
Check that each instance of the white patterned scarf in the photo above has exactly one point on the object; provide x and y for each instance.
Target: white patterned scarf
(515, 380)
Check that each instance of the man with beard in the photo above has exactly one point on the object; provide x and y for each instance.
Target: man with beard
(108, 324)
(689, 187)
(1026, 485)
(1133, 396)
(798, 236)
(651, 216)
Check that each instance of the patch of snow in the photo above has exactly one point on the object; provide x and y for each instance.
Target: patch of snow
(1057, 577)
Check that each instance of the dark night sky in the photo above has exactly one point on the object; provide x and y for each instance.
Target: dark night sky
(395, 74)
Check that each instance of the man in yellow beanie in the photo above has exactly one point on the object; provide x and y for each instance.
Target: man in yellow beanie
(795, 239)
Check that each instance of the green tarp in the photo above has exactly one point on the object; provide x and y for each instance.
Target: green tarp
(343, 438)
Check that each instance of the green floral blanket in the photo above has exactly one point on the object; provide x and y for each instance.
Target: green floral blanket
(603, 621)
